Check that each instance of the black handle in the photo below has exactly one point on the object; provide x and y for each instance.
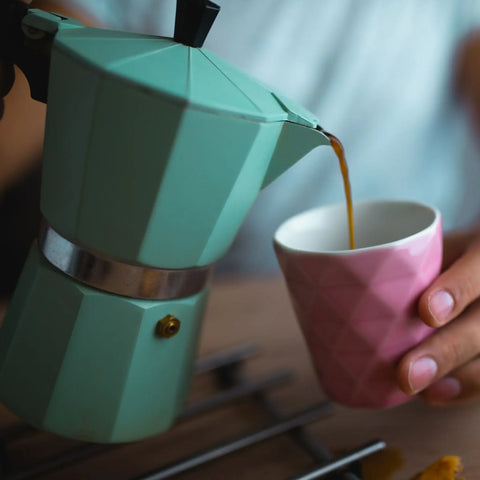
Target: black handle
(31, 56)
(193, 21)
(11, 37)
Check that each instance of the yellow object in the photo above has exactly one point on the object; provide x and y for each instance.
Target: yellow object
(446, 468)
(382, 465)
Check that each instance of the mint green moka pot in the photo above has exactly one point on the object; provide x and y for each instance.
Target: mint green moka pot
(155, 149)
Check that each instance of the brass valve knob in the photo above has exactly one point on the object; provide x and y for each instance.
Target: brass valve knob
(168, 326)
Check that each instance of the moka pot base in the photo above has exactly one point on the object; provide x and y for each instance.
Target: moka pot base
(91, 365)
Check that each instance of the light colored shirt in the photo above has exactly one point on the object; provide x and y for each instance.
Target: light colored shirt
(378, 75)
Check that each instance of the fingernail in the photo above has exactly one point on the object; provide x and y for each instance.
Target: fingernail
(444, 390)
(421, 373)
(440, 305)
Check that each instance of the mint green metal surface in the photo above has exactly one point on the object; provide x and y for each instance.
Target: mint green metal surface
(183, 73)
(88, 365)
(49, 22)
(155, 151)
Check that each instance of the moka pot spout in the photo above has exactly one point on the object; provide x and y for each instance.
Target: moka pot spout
(155, 150)
(294, 142)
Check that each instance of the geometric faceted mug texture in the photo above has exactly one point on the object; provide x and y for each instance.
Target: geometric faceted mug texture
(358, 313)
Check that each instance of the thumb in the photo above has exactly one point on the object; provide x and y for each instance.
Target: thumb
(453, 290)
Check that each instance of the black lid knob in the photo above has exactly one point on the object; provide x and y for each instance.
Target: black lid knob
(193, 21)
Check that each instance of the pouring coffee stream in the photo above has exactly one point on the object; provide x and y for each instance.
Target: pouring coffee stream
(340, 153)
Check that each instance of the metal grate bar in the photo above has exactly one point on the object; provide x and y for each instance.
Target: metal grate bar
(341, 461)
(227, 366)
(316, 450)
(83, 452)
(226, 357)
(244, 389)
(239, 443)
(56, 462)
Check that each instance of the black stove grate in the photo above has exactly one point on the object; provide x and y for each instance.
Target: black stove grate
(228, 369)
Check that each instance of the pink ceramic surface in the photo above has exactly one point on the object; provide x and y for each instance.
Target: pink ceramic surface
(357, 308)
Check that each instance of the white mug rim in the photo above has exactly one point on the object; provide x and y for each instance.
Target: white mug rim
(393, 244)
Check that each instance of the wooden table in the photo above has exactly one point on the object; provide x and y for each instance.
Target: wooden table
(242, 310)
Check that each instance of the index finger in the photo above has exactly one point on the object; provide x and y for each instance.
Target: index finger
(453, 290)
(455, 244)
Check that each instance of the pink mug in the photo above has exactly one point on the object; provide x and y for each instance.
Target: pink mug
(358, 308)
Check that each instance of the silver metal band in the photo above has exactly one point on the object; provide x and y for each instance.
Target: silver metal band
(124, 279)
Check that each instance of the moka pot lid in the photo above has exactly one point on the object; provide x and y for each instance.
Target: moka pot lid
(191, 75)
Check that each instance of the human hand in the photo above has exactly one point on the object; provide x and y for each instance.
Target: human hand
(445, 368)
